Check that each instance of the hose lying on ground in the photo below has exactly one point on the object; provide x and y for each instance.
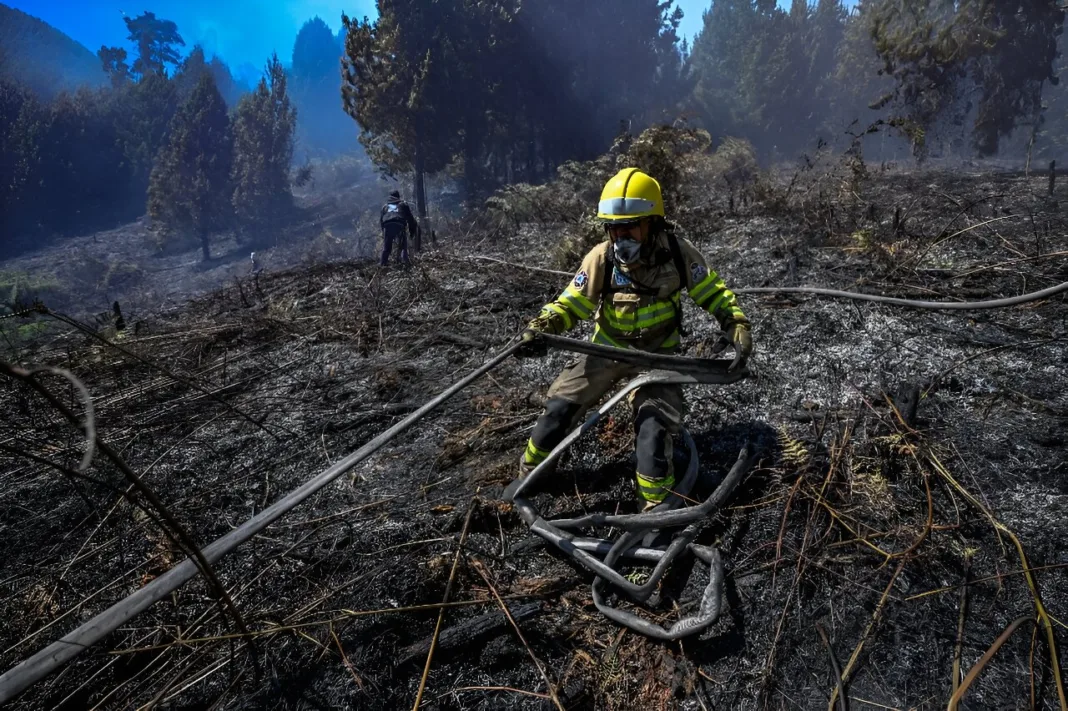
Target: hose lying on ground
(55, 655)
(911, 303)
(668, 514)
(876, 298)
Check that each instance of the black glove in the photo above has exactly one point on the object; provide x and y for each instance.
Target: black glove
(533, 347)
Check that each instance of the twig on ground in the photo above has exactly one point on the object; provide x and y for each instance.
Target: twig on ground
(509, 689)
(480, 569)
(448, 591)
(843, 704)
(345, 659)
(521, 266)
(173, 529)
(185, 381)
(973, 673)
(960, 624)
(1041, 615)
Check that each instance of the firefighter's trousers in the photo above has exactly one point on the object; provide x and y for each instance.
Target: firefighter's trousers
(657, 409)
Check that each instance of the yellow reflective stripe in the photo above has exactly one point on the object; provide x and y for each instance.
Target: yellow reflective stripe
(647, 483)
(702, 288)
(574, 300)
(564, 313)
(621, 321)
(655, 489)
(649, 320)
(672, 340)
(660, 305)
(726, 296)
(534, 454)
(646, 317)
(599, 336)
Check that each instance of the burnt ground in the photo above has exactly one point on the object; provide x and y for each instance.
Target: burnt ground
(336, 218)
(873, 522)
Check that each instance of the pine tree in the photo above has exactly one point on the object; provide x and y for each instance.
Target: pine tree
(114, 61)
(323, 126)
(316, 53)
(720, 57)
(507, 86)
(188, 74)
(224, 80)
(190, 185)
(983, 60)
(150, 106)
(264, 124)
(156, 39)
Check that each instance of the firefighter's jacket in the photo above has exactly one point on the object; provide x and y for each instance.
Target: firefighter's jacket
(637, 305)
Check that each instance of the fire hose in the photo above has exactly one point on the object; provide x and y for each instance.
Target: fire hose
(683, 371)
(671, 513)
(55, 655)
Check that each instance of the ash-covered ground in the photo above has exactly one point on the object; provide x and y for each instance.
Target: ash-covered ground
(865, 517)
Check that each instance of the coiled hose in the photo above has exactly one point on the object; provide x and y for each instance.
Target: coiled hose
(668, 514)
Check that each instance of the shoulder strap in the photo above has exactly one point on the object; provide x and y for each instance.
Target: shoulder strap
(680, 265)
(676, 254)
(607, 273)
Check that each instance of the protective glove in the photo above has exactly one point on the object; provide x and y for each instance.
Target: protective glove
(533, 347)
(712, 347)
(742, 340)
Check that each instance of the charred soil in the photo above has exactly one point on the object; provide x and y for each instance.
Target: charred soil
(909, 460)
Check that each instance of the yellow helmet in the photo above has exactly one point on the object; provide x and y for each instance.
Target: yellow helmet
(628, 196)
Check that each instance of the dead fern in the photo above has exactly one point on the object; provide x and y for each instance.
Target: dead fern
(794, 452)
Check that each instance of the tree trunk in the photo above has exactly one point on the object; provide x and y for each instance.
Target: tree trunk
(532, 153)
(420, 184)
(420, 198)
(470, 169)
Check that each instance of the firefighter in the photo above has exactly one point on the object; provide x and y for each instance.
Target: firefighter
(631, 285)
(397, 223)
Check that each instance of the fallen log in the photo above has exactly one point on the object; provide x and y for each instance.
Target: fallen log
(478, 629)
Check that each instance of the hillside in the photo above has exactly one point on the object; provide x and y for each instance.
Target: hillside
(42, 58)
(867, 517)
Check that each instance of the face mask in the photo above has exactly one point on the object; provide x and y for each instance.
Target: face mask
(627, 251)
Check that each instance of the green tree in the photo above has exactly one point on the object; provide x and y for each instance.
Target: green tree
(719, 58)
(148, 109)
(20, 117)
(264, 125)
(187, 76)
(224, 79)
(316, 53)
(507, 86)
(156, 40)
(1052, 134)
(768, 74)
(396, 87)
(114, 61)
(323, 126)
(190, 185)
(980, 60)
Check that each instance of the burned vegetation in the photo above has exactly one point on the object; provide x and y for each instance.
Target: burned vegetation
(898, 545)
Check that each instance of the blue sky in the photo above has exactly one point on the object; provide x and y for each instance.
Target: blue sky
(242, 32)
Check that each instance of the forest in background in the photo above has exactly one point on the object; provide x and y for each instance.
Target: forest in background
(494, 92)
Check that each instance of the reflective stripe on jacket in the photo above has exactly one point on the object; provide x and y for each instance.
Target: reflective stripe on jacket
(625, 318)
